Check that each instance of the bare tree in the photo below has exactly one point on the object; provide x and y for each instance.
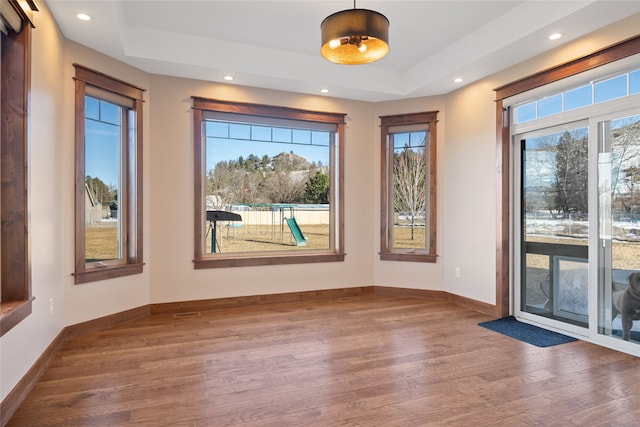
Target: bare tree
(223, 185)
(572, 172)
(625, 152)
(410, 183)
(102, 193)
(560, 160)
(285, 187)
(252, 186)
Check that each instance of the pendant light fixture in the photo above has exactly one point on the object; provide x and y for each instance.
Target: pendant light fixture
(355, 36)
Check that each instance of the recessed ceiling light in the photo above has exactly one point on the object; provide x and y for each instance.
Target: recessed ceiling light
(458, 80)
(83, 16)
(228, 77)
(555, 36)
(324, 90)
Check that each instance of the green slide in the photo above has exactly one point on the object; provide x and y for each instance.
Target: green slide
(296, 232)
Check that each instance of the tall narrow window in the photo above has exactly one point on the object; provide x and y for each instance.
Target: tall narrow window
(268, 185)
(108, 177)
(408, 185)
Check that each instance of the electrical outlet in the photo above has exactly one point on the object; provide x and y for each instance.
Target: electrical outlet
(457, 272)
(51, 306)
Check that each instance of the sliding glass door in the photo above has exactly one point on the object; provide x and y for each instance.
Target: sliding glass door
(577, 223)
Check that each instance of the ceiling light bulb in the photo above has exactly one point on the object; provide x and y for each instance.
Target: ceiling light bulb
(335, 43)
(555, 36)
(228, 78)
(83, 16)
(458, 80)
(324, 90)
(362, 48)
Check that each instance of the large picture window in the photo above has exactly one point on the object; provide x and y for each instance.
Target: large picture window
(108, 177)
(408, 185)
(267, 184)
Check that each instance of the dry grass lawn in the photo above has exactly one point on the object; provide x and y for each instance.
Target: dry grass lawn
(102, 244)
(265, 238)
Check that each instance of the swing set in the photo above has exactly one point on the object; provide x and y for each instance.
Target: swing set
(269, 219)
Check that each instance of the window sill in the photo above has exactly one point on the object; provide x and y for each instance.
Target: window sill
(12, 313)
(105, 273)
(410, 257)
(245, 261)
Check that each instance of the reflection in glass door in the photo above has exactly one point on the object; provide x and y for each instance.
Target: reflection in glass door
(554, 226)
(619, 227)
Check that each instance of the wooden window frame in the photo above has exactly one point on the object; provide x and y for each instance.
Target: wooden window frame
(222, 260)
(387, 253)
(612, 53)
(15, 82)
(132, 228)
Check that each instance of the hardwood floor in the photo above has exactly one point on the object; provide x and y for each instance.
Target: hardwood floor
(363, 361)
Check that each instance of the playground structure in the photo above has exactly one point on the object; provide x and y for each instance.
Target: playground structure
(270, 219)
(212, 218)
(265, 223)
(296, 232)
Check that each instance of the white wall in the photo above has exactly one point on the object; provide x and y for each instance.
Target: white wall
(466, 187)
(469, 195)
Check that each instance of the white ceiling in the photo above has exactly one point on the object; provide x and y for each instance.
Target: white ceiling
(276, 44)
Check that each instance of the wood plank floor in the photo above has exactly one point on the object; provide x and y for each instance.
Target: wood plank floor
(365, 361)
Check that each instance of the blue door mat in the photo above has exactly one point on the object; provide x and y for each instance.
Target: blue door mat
(525, 332)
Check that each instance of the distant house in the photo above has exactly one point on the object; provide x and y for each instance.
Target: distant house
(92, 208)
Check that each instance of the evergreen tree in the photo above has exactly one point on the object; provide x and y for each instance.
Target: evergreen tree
(317, 189)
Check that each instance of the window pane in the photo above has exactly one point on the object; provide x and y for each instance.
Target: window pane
(109, 113)
(409, 189)
(239, 131)
(634, 82)
(550, 105)
(102, 181)
(525, 113)
(282, 135)
(611, 89)
(576, 98)
(301, 136)
(619, 214)
(554, 224)
(260, 133)
(92, 108)
(217, 129)
(276, 180)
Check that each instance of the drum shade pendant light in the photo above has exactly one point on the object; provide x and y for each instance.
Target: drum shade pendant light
(355, 36)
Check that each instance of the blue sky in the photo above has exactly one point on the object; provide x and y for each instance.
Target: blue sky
(102, 151)
(229, 142)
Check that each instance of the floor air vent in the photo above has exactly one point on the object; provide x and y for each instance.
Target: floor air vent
(185, 315)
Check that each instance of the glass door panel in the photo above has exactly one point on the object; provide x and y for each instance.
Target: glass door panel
(619, 227)
(554, 225)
